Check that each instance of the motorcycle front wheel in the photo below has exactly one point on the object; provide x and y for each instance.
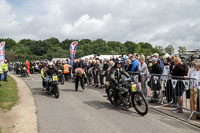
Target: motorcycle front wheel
(56, 91)
(139, 103)
(110, 94)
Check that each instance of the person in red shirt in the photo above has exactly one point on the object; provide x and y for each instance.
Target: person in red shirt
(80, 76)
(28, 65)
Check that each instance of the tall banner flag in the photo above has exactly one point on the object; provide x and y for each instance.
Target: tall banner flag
(73, 48)
(2, 52)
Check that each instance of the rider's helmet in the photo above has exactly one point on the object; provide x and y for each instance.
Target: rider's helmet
(50, 64)
(118, 61)
(79, 73)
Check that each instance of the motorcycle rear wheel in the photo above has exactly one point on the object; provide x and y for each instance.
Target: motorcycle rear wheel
(62, 80)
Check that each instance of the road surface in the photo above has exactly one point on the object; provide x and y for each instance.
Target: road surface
(89, 111)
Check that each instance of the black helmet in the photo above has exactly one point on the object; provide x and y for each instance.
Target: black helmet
(118, 61)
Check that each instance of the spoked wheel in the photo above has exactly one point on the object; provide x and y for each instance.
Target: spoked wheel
(110, 94)
(139, 103)
(56, 91)
(62, 80)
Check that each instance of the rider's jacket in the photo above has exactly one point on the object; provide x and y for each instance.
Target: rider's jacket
(5, 67)
(59, 67)
(116, 74)
(52, 71)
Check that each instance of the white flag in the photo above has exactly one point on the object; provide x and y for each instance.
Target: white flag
(155, 79)
(186, 83)
(165, 82)
(174, 82)
(198, 84)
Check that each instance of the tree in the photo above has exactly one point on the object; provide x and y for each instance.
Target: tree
(131, 47)
(158, 49)
(169, 49)
(181, 50)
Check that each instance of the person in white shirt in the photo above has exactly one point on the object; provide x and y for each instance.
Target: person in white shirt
(194, 92)
(144, 73)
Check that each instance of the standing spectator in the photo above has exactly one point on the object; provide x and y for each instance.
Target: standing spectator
(98, 67)
(103, 73)
(144, 72)
(28, 66)
(135, 64)
(155, 86)
(89, 71)
(143, 66)
(180, 70)
(5, 69)
(128, 65)
(66, 71)
(136, 55)
(194, 93)
(160, 62)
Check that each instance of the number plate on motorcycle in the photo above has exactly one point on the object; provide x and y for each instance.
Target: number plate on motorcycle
(55, 78)
(32, 66)
(133, 87)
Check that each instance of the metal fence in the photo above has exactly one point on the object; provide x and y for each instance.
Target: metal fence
(177, 91)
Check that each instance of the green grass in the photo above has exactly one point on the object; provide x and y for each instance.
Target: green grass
(8, 94)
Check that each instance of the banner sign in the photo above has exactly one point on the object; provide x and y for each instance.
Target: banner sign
(198, 84)
(165, 82)
(186, 83)
(73, 48)
(174, 82)
(2, 52)
(155, 79)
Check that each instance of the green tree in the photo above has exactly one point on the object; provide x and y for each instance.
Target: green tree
(158, 49)
(181, 50)
(131, 47)
(169, 49)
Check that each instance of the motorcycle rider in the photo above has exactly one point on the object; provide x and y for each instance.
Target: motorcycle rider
(49, 73)
(116, 73)
(80, 75)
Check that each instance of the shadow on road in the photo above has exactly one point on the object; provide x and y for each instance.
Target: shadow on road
(101, 105)
(71, 90)
(38, 91)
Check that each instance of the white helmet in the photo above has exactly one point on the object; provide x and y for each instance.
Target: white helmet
(50, 63)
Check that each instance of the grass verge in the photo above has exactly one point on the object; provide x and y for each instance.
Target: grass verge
(8, 94)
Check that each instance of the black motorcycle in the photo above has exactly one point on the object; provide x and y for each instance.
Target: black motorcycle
(128, 96)
(23, 72)
(61, 77)
(53, 86)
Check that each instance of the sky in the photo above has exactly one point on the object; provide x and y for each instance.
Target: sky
(159, 22)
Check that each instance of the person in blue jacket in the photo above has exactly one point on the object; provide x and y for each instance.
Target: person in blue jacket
(135, 64)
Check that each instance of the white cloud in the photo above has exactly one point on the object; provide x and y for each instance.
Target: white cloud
(161, 22)
(86, 27)
(7, 18)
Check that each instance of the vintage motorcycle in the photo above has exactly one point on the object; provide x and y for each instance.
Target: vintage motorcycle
(128, 96)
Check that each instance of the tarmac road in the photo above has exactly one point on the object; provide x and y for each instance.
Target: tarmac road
(89, 111)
